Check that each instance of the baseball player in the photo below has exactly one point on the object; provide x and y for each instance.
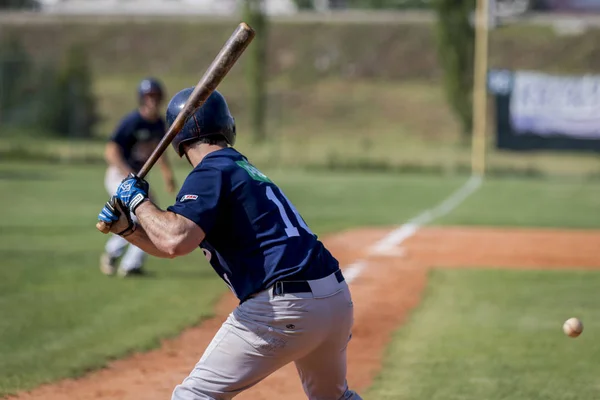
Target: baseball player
(294, 304)
(126, 152)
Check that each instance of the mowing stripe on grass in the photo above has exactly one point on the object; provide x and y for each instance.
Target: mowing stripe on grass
(388, 244)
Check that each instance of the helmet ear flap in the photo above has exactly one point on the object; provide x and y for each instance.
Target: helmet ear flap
(179, 150)
(233, 132)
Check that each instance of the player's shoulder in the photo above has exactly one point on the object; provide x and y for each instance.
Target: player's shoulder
(126, 127)
(160, 121)
(223, 159)
(130, 119)
(133, 115)
(227, 165)
(217, 163)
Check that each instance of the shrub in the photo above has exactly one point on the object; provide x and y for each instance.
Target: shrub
(389, 4)
(304, 4)
(68, 105)
(52, 99)
(15, 83)
(456, 52)
(19, 4)
(256, 67)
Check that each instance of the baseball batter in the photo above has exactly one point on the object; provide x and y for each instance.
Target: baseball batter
(126, 152)
(295, 305)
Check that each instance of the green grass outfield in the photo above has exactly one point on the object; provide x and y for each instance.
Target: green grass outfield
(403, 126)
(497, 335)
(60, 317)
(530, 202)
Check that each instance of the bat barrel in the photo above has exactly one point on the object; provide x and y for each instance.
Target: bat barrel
(223, 62)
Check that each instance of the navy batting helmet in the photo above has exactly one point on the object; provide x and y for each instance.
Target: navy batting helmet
(211, 119)
(150, 86)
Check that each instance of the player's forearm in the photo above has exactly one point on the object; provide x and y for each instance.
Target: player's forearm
(140, 239)
(122, 166)
(114, 157)
(164, 230)
(165, 168)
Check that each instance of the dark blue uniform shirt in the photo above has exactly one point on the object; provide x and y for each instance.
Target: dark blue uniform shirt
(254, 235)
(137, 138)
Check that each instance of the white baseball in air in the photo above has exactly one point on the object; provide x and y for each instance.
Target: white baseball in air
(572, 327)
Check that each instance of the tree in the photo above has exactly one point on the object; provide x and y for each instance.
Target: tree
(257, 67)
(19, 4)
(53, 98)
(305, 4)
(69, 106)
(456, 51)
(388, 4)
(16, 70)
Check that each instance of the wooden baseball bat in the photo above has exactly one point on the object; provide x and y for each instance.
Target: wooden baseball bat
(223, 62)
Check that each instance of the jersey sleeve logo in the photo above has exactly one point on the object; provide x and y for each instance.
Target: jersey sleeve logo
(188, 197)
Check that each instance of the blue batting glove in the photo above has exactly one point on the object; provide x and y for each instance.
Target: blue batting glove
(115, 214)
(133, 191)
(108, 214)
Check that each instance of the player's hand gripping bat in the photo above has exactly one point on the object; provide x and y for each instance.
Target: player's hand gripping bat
(229, 54)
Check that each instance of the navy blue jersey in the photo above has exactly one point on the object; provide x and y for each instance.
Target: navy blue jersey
(254, 235)
(137, 138)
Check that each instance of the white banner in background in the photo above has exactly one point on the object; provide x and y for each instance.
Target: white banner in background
(548, 105)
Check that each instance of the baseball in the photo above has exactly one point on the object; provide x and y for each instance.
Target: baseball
(572, 327)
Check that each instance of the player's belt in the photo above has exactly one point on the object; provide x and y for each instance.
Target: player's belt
(283, 287)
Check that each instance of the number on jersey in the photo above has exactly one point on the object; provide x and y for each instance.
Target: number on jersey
(290, 229)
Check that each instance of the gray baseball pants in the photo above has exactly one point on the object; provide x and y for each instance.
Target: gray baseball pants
(266, 332)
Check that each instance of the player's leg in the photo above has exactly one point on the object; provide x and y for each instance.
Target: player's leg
(228, 366)
(323, 371)
(115, 246)
(112, 251)
(258, 338)
(133, 260)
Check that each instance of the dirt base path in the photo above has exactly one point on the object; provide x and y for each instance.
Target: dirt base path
(386, 290)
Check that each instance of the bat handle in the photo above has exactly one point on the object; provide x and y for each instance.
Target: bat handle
(103, 227)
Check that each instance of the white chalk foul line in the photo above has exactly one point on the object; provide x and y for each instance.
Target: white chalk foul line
(403, 232)
(352, 271)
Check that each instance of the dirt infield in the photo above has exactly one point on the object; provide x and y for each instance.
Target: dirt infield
(383, 294)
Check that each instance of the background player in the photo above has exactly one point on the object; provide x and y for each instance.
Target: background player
(294, 302)
(126, 152)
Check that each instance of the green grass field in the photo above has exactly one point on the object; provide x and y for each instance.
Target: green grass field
(481, 335)
(400, 126)
(496, 335)
(61, 317)
(530, 202)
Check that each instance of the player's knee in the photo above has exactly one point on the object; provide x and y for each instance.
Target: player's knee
(350, 395)
(181, 392)
(189, 392)
(347, 395)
